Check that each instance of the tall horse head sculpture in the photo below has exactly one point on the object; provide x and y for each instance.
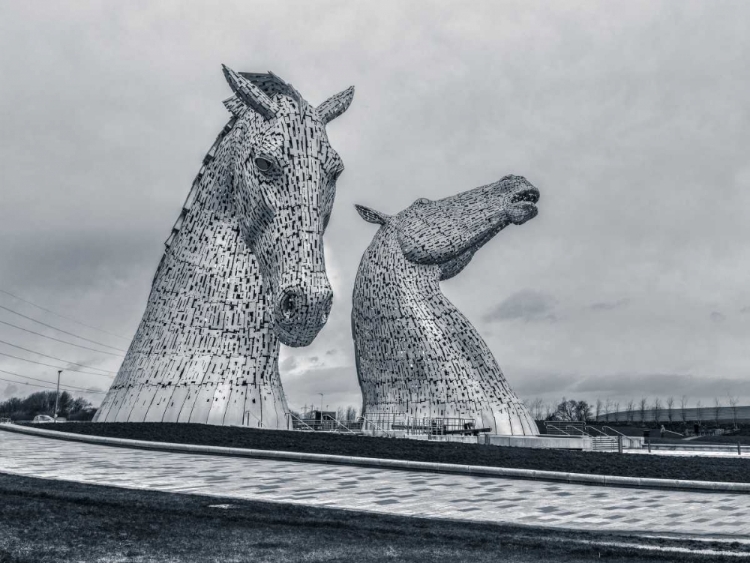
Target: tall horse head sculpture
(416, 354)
(244, 267)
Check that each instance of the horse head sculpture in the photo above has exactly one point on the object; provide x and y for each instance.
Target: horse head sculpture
(283, 173)
(243, 269)
(416, 354)
(448, 232)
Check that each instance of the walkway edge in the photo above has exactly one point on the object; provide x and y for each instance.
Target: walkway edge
(576, 478)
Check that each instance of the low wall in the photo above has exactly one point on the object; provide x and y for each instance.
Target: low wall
(550, 442)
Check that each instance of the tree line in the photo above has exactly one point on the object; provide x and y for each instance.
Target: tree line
(43, 402)
(645, 409)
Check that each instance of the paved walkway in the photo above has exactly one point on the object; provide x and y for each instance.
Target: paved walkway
(405, 493)
(729, 453)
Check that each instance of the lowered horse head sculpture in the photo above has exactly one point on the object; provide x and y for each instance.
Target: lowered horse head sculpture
(283, 173)
(243, 269)
(416, 354)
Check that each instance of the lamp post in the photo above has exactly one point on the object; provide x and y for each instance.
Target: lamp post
(57, 394)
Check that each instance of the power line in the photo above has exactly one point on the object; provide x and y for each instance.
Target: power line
(54, 358)
(61, 330)
(56, 367)
(62, 316)
(70, 387)
(58, 340)
(45, 387)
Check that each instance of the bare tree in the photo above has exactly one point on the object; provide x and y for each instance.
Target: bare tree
(642, 408)
(583, 411)
(699, 412)
(598, 408)
(607, 408)
(549, 410)
(617, 410)
(567, 409)
(733, 402)
(538, 408)
(670, 405)
(629, 411)
(351, 413)
(683, 408)
(717, 410)
(657, 410)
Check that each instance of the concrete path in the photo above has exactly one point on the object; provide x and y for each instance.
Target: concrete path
(405, 493)
(730, 453)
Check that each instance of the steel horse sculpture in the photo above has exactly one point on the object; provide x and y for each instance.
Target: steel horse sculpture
(416, 354)
(243, 269)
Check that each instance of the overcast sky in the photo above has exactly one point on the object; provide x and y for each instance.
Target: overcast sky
(630, 117)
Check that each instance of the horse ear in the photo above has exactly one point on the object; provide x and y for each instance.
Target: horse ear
(336, 105)
(250, 94)
(372, 216)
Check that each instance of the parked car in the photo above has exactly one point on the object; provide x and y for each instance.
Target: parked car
(43, 418)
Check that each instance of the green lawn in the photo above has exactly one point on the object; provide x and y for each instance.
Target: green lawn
(43, 521)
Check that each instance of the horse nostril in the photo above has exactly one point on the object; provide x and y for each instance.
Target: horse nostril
(289, 305)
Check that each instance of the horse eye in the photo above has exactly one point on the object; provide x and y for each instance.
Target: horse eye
(263, 164)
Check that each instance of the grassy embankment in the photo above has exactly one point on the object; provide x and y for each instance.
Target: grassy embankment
(43, 521)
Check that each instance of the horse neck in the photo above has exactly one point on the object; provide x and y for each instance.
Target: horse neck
(393, 288)
(387, 281)
(219, 289)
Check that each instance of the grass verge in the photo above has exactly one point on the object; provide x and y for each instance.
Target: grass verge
(44, 521)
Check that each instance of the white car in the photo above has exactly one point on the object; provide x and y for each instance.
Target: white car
(43, 418)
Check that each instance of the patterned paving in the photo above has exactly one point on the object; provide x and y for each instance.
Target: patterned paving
(382, 490)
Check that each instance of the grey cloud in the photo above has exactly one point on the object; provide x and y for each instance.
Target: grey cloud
(610, 305)
(338, 385)
(745, 310)
(527, 305)
(10, 391)
(717, 317)
(288, 364)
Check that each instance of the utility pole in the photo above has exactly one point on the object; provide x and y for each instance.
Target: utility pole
(57, 395)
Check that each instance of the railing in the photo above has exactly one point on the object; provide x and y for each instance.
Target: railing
(299, 424)
(390, 423)
(565, 428)
(605, 443)
(595, 429)
(338, 424)
(555, 430)
(610, 429)
(325, 424)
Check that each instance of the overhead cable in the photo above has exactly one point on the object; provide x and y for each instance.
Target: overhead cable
(62, 316)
